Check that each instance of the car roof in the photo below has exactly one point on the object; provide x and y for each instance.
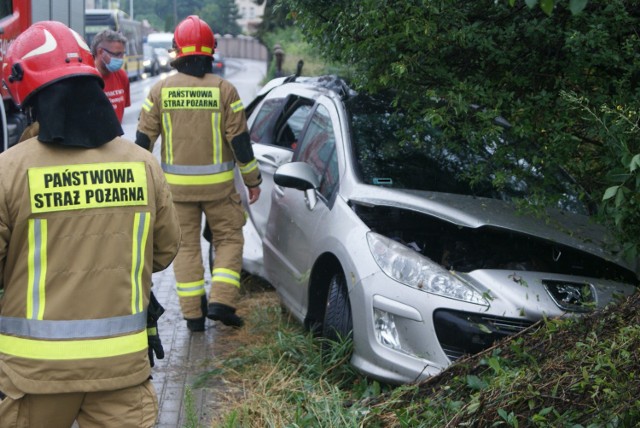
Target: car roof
(330, 82)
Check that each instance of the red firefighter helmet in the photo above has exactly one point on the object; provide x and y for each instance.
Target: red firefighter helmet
(46, 52)
(193, 36)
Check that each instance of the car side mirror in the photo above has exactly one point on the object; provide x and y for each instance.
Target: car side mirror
(298, 175)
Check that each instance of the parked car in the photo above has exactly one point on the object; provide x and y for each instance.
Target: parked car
(156, 60)
(219, 64)
(364, 235)
(164, 58)
(150, 60)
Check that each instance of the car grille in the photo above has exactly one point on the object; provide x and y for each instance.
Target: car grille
(463, 333)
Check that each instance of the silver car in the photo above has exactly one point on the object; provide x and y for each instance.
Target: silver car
(366, 237)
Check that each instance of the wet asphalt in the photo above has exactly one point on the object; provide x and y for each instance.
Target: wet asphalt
(188, 356)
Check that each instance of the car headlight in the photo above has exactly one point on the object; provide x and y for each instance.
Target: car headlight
(146, 63)
(413, 269)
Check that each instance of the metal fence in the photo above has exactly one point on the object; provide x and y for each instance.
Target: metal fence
(241, 47)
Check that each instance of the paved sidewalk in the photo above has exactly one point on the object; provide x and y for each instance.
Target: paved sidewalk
(187, 356)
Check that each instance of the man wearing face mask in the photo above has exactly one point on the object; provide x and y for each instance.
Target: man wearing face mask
(108, 48)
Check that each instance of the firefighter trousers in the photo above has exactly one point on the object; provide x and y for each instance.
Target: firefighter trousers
(133, 407)
(225, 218)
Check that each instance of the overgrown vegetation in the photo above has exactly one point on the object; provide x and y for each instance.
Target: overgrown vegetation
(558, 373)
(567, 83)
(296, 49)
(276, 375)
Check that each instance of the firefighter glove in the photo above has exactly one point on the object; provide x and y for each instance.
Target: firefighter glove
(154, 311)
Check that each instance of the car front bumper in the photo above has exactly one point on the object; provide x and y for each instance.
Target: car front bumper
(404, 335)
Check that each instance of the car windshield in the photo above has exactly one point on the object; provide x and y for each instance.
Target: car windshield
(391, 151)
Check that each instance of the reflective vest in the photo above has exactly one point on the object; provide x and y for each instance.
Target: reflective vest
(79, 240)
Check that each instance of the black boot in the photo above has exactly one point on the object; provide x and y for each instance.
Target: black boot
(197, 324)
(225, 314)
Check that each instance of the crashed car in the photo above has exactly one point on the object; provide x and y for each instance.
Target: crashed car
(367, 236)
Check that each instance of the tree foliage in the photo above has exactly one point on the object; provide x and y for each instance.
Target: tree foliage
(163, 15)
(275, 17)
(568, 83)
(547, 6)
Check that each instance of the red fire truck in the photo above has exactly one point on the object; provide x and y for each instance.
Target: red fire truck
(15, 17)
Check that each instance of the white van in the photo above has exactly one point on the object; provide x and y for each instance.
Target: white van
(161, 40)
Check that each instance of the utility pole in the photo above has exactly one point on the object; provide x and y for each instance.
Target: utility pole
(175, 14)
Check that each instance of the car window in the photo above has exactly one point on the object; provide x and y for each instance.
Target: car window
(288, 134)
(280, 121)
(318, 149)
(391, 151)
(262, 129)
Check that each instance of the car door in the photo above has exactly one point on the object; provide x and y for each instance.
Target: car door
(274, 131)
(293, 223)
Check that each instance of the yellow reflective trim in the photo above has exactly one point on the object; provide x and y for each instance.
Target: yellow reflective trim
(73, 349)
(217, 138)
(190, 98)
(83, 186)
(227, 271)
(227, 276)
(152, 331)
(237, 106)
(37, 268)
(203, 49)
(139, 246)
(198, 180)
(147, 105)
(226, 280)
(245, 169)
(43, 268)
(167, 138)
(191, 293)
(186, 289)
(191, 284)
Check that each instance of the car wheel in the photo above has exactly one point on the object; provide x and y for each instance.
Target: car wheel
(338, 323)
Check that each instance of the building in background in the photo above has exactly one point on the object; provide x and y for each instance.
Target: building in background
(250, 15)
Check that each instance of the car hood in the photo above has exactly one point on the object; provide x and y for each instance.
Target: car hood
(573, 230)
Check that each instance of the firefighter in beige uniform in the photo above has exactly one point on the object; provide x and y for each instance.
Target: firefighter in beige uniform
(85, 218)
(204, 135)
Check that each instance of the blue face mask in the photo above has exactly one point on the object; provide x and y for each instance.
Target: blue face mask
(115, 64)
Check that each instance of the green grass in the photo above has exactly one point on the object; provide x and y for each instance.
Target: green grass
(191, 417)
(295, 50)
(558, 373)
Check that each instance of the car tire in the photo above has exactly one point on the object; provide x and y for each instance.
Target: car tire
(338, 322)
